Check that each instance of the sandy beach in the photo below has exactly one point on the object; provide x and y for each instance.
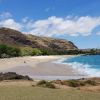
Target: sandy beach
(39, 67)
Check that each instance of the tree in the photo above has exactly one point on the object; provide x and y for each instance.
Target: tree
(8, 51)
(36, 52)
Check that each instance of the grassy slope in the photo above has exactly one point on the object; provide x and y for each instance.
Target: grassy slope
(37, 93)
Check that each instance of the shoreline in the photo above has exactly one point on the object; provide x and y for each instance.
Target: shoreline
(40, 67)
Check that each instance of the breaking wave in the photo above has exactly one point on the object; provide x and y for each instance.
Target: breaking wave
(84, 65)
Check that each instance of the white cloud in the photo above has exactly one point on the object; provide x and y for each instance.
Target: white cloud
(56, 25)
(6, 20)
(25, 19)
(73, 26)
(98, 33)
(10, 23)
(5, 15)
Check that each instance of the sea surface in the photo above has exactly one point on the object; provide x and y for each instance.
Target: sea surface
(88, 65)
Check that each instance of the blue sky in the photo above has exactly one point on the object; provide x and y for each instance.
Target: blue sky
(74, 20)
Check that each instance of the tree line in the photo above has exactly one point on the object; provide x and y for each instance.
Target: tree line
(7, 51)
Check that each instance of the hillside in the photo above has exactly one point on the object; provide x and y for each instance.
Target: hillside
(18, 39)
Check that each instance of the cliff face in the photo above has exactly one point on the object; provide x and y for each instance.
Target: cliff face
(16, 38)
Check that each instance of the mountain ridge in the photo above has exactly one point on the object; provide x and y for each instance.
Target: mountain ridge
(15, 38)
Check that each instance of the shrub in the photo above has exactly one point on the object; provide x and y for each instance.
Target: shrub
(82, 84)
(77, 83)
(8, 51)
(49, 85)
(26, 51)
(13, 52)
(46, 84)
(42, 82)
(73, 83)
(36, 51)
(65, 82)
(90, 82)
(58, 82)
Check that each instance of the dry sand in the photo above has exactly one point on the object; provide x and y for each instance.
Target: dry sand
(39, 67)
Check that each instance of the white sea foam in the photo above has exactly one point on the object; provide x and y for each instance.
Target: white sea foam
(83, 69)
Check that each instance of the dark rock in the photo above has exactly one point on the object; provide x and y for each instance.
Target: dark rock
(13, 76)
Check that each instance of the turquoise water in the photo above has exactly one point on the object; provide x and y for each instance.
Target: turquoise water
(86, 65)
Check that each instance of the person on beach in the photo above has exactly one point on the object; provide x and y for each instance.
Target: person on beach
(24, 61)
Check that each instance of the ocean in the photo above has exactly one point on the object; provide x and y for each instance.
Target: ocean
(88, 65)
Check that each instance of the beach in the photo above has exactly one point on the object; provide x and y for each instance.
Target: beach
(39, 67)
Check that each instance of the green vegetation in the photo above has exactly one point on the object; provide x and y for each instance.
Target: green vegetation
(90, 82)
(77, 83)
(50, 85)
(89, 51)
(26, 51)
(39, 93)
(36, 51)
(47, 84)
(42, 82)
(11, 51)
(8, 51)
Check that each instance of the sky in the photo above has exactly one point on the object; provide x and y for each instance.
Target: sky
(74, 20)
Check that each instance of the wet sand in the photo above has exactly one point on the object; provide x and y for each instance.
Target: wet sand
(39, 67)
